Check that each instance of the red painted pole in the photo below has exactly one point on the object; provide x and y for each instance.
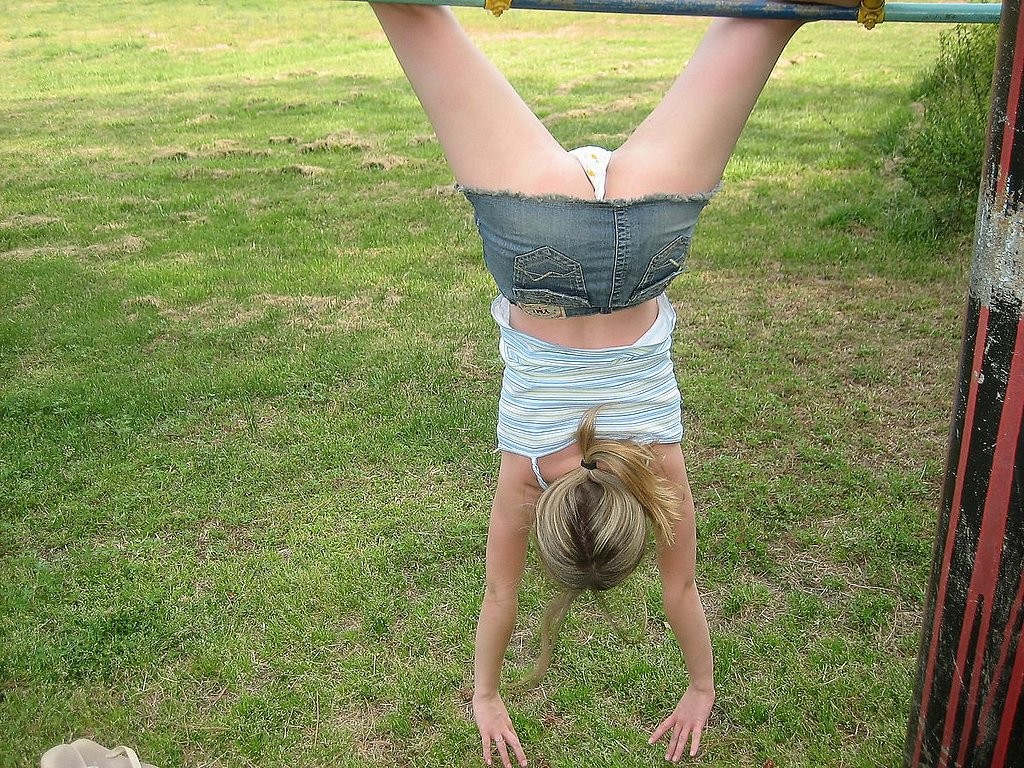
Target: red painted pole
(968, 708)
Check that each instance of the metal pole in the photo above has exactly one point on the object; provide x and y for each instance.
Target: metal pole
(958, 13)
(968, 708)
(955, 13)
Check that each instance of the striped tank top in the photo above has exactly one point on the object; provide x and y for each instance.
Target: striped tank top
(546, 389)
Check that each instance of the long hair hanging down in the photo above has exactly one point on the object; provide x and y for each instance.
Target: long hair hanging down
(592, 524)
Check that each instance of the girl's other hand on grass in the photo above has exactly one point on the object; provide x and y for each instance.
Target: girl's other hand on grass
(496, 729)
(686, 723)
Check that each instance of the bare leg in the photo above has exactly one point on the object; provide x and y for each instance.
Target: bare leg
(490, 137)
(684, 144)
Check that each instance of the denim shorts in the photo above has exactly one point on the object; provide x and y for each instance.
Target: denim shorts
(559, 256)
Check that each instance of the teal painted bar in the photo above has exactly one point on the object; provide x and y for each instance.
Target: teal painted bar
(766, 9)
(940, 13)
(949, 13)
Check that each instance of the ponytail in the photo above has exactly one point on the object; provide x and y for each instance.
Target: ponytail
(629, 464)
(550, 627)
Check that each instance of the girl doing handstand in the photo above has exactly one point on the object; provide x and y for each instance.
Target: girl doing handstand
(582, 245)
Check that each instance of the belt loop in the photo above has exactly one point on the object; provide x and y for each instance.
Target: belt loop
(622, 247)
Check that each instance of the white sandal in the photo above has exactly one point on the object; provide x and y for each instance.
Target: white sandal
(84, 753)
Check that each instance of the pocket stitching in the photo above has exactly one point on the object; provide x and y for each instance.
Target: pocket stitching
(681, 245)
(574, 281)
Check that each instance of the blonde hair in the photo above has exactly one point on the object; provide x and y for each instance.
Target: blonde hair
(591, 525)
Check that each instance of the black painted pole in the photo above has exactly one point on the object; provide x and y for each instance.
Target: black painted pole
(968, 708)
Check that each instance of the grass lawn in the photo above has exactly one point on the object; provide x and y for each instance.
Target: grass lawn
(248, 385)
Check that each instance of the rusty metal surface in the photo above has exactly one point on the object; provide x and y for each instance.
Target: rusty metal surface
(968, 708)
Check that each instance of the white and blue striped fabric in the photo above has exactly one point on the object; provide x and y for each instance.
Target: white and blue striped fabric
(547, 388)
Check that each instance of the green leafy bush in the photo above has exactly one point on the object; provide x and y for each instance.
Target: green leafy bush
(941, 154)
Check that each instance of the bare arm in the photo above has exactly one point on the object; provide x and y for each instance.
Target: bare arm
(686, 616)
(507, 541)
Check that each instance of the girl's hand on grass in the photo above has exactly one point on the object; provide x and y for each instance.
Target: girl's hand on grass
(496, 729)
(686, 722)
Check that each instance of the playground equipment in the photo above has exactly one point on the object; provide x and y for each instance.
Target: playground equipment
(969, 708)
(870, 12)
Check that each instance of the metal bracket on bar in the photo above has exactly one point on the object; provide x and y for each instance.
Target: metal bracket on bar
(871, 12)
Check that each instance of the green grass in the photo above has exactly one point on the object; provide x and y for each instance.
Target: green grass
(248, 382)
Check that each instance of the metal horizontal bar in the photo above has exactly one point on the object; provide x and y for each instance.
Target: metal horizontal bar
(947, 13)
(767, 9)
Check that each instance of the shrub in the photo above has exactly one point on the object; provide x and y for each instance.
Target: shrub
(941, 155)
